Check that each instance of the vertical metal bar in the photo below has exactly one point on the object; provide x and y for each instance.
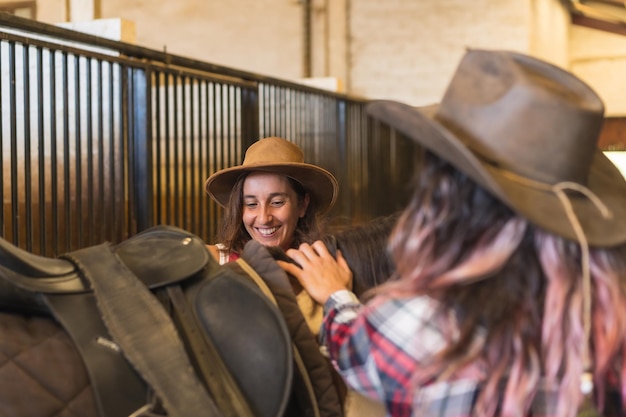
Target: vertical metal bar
(219, 125)
(282, 110)
(13, 136)
(100, 207)
(224, 145)
(78, 156)
(41, 154)
(226, 106)
(226, 114)
(140, 149)
(343, 165)
(54, 196)
(193, 192)
(166, 140)
(267, 108)
(2, 162)
(266, 112)
(237, 122)
(66, 153)
(183, 157)
(109, 140)
(216, 161)
(28, 198)
(297, 115)
(289, 112)
(203, 164)
(89, 233)
(122, 157)
(158, 163)
(176, 142)
(250, 128)
(275, 111)
(116, 151)
(208, 159)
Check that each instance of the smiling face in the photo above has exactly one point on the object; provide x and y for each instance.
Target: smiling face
(271, 209)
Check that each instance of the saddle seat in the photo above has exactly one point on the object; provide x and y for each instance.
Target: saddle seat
(158, 256)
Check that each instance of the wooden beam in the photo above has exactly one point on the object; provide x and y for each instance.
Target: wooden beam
(612, 3)
(613, 135)
(618, 28)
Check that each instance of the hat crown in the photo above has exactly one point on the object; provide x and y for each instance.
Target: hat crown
(277, 156)
(273, 150)
(526, 116)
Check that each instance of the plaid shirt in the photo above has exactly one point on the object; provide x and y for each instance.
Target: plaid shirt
(377, 347)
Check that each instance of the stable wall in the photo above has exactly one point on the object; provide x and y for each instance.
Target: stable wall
(600, 59)
(407, 50)
(261, 36)
(398, 49)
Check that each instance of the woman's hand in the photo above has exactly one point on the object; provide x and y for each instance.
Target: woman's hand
(320, 275)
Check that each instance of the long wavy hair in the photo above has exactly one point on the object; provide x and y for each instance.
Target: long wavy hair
(510, 296)
(234, 235)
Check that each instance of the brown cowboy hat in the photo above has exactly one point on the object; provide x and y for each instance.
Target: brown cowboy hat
(524, 129)
(279, 156)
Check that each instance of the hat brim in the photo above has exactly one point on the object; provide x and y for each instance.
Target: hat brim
(319, 183)
(539, 205)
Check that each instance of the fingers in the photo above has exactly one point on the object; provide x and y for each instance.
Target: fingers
(310, 253)
(341, 260)
(321, 274)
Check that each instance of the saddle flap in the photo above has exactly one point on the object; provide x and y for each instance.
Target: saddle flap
(250, 335)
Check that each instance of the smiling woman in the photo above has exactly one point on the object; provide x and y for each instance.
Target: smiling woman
(273, 197)
(272, 208)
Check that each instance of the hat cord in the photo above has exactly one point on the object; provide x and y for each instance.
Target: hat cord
(586, 379)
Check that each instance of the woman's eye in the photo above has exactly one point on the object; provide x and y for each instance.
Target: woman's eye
(278, 203)
(250, 205)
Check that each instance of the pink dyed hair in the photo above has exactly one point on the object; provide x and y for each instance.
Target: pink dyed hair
(462, 247)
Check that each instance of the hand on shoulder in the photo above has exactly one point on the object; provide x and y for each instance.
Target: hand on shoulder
(320, 274)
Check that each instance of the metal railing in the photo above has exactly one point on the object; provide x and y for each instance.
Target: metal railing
(101, 139)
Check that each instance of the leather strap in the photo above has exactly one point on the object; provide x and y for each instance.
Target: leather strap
(119, 390)
(219, 379)
(139, 324)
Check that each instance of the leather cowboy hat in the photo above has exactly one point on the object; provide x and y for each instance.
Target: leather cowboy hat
(526, 131)
(279, 156)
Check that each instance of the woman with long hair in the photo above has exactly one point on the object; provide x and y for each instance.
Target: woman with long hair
(509, 291)
(273, 197)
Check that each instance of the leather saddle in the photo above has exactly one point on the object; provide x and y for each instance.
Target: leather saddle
(162, 328)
